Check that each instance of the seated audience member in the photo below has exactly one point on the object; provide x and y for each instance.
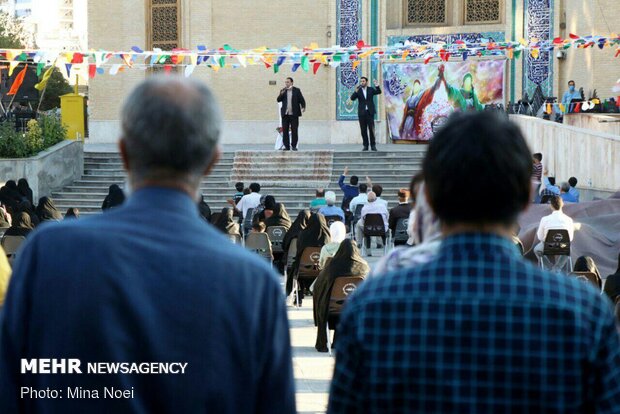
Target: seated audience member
(612, 284)
(565, 194)
(350, 190)
(572, 182)
(401, 211)
(338, 233)
(24, 189)
(319, 201)
(300, 223)
(538, 168)
(414, 186)
(226, 224)
(586, 264)
(331, 209)
(361, 198)
(557, 220)
(258, 227)
(548, 189)
(151, 282)
(265, 208)
(21, 226)
(426, 233)
(10, 196)
(248, 201)
(428, 338)
(27, 207)
(316, 234)
(278, 217)
(115, 198)
(347, 261)
(5, 218)
(72, 213)
(239, 194)
(371, 208)
(378, 190)
(516, 240)
(47, 211)
(5, 275)
(204, 210)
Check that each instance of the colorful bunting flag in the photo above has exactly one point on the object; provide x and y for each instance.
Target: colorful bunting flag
(17, 82)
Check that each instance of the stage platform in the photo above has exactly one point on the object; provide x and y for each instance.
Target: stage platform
(94, 147)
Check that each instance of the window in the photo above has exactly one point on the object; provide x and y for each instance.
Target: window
(482, 11)
(426, 12)
(164, 29)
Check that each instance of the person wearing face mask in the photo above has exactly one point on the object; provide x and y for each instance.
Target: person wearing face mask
(571, 94)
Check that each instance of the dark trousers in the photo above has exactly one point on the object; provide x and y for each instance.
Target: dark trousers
(292, 122)
(367, 125)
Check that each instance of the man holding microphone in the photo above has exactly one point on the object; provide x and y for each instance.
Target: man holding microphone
(365, 95)
(293, 104)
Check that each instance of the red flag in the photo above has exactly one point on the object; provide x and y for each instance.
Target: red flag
(92, 71)
(573, 36)
(19, 79)
(315, 67)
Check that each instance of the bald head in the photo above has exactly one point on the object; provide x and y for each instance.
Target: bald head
(372, 197)
(170, 129)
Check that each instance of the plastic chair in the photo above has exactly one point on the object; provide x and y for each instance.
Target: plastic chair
(400, 232)
(259, 243)
(357, 215)
(557, 243)
(331, 219)
(343, 286)
(276, 235)
(11, 244)
(589, 277)
(308, 269)
(290, 255)
(247, 222)
(374, 227)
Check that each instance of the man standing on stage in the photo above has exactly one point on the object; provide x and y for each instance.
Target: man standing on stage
(293, 104)
(366, 110)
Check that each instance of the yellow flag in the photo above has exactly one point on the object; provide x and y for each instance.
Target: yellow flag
(12, 66)
(46, 77)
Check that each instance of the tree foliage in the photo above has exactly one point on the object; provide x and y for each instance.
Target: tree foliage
(13, 35)
(57, 86)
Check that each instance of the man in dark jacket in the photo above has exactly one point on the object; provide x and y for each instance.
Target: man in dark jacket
(293, 104)
(365, 96)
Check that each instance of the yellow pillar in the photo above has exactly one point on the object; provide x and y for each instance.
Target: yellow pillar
(73, 115)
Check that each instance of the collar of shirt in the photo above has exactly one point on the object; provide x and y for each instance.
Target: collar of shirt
(477, 243)
(162, 198)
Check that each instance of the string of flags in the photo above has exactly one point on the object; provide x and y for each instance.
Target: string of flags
(309, 58)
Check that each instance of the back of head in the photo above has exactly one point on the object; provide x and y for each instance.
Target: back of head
(377, 189)
(22, 184)
(551, 180)
(270, 202)
(330, 198)
(320, 192)
(572, 182)
(363, 188)
(23, 220)
(585, 264)
(403, 195)
(338, 231)
(255, 187)
(372, 197)
(414, 186)
(565, 187)
(556, 202)
(72, 212)
(478, 156)
(354, 180)
(170, 130)
(258, 226)
(239, 187)
(538, 156)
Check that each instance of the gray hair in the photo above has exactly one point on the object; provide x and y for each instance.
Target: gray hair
(170, 129)
(330, 198)
(565, 187)
(372, 197)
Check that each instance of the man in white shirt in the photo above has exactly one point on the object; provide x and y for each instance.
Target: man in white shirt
(557, 220)
(362, 198)
(373, 207)
(248, 201)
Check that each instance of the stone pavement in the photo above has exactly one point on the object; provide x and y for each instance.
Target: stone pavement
(313, 370)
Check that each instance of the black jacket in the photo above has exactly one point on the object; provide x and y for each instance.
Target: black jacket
(366, 106)
(298, 102)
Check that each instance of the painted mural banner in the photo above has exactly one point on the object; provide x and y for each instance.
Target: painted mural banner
(419, 97)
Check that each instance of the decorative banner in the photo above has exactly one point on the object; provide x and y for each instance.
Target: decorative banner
(420, 97)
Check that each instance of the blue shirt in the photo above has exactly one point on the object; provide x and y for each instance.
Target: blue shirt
(147, 282)
(575, 193)
(332, 211)
(569, 96)
(476, 330)
(350, 191)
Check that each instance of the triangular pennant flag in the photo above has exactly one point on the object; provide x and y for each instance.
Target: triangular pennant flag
(189, 70)
(281, 60)
(315, 67)
(193, 58)
(92, 71)
(12, 66)
(77, 58)
(573, 36)
(68, 69)
(334, 64)
(114, 69)
(295, 67)
(356, 63)
(40, 67)
(167, 69)
(305, 64)
(241, 60)
(137, 49)
(101, 71)
(276, 68)
(222, 61)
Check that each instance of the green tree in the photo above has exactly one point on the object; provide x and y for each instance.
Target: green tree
(12, 33)
(57, 86)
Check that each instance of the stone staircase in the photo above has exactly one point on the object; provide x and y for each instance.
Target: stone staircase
(280, 174)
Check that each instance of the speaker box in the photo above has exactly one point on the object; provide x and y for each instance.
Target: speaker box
(27, 91)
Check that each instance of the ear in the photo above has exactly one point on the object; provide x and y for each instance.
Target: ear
(214, 160)
(123, 149)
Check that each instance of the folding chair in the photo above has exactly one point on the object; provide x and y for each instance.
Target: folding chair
(589, 277)
(259, 243)
(11, 244)
(234, 238)
(343, 286)
(247, 223)
(400, 235)
(276, 235)
(332, 219)
(374, 227)
(308, 269)
(357, 215)
(557, 243)
(290, 256)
